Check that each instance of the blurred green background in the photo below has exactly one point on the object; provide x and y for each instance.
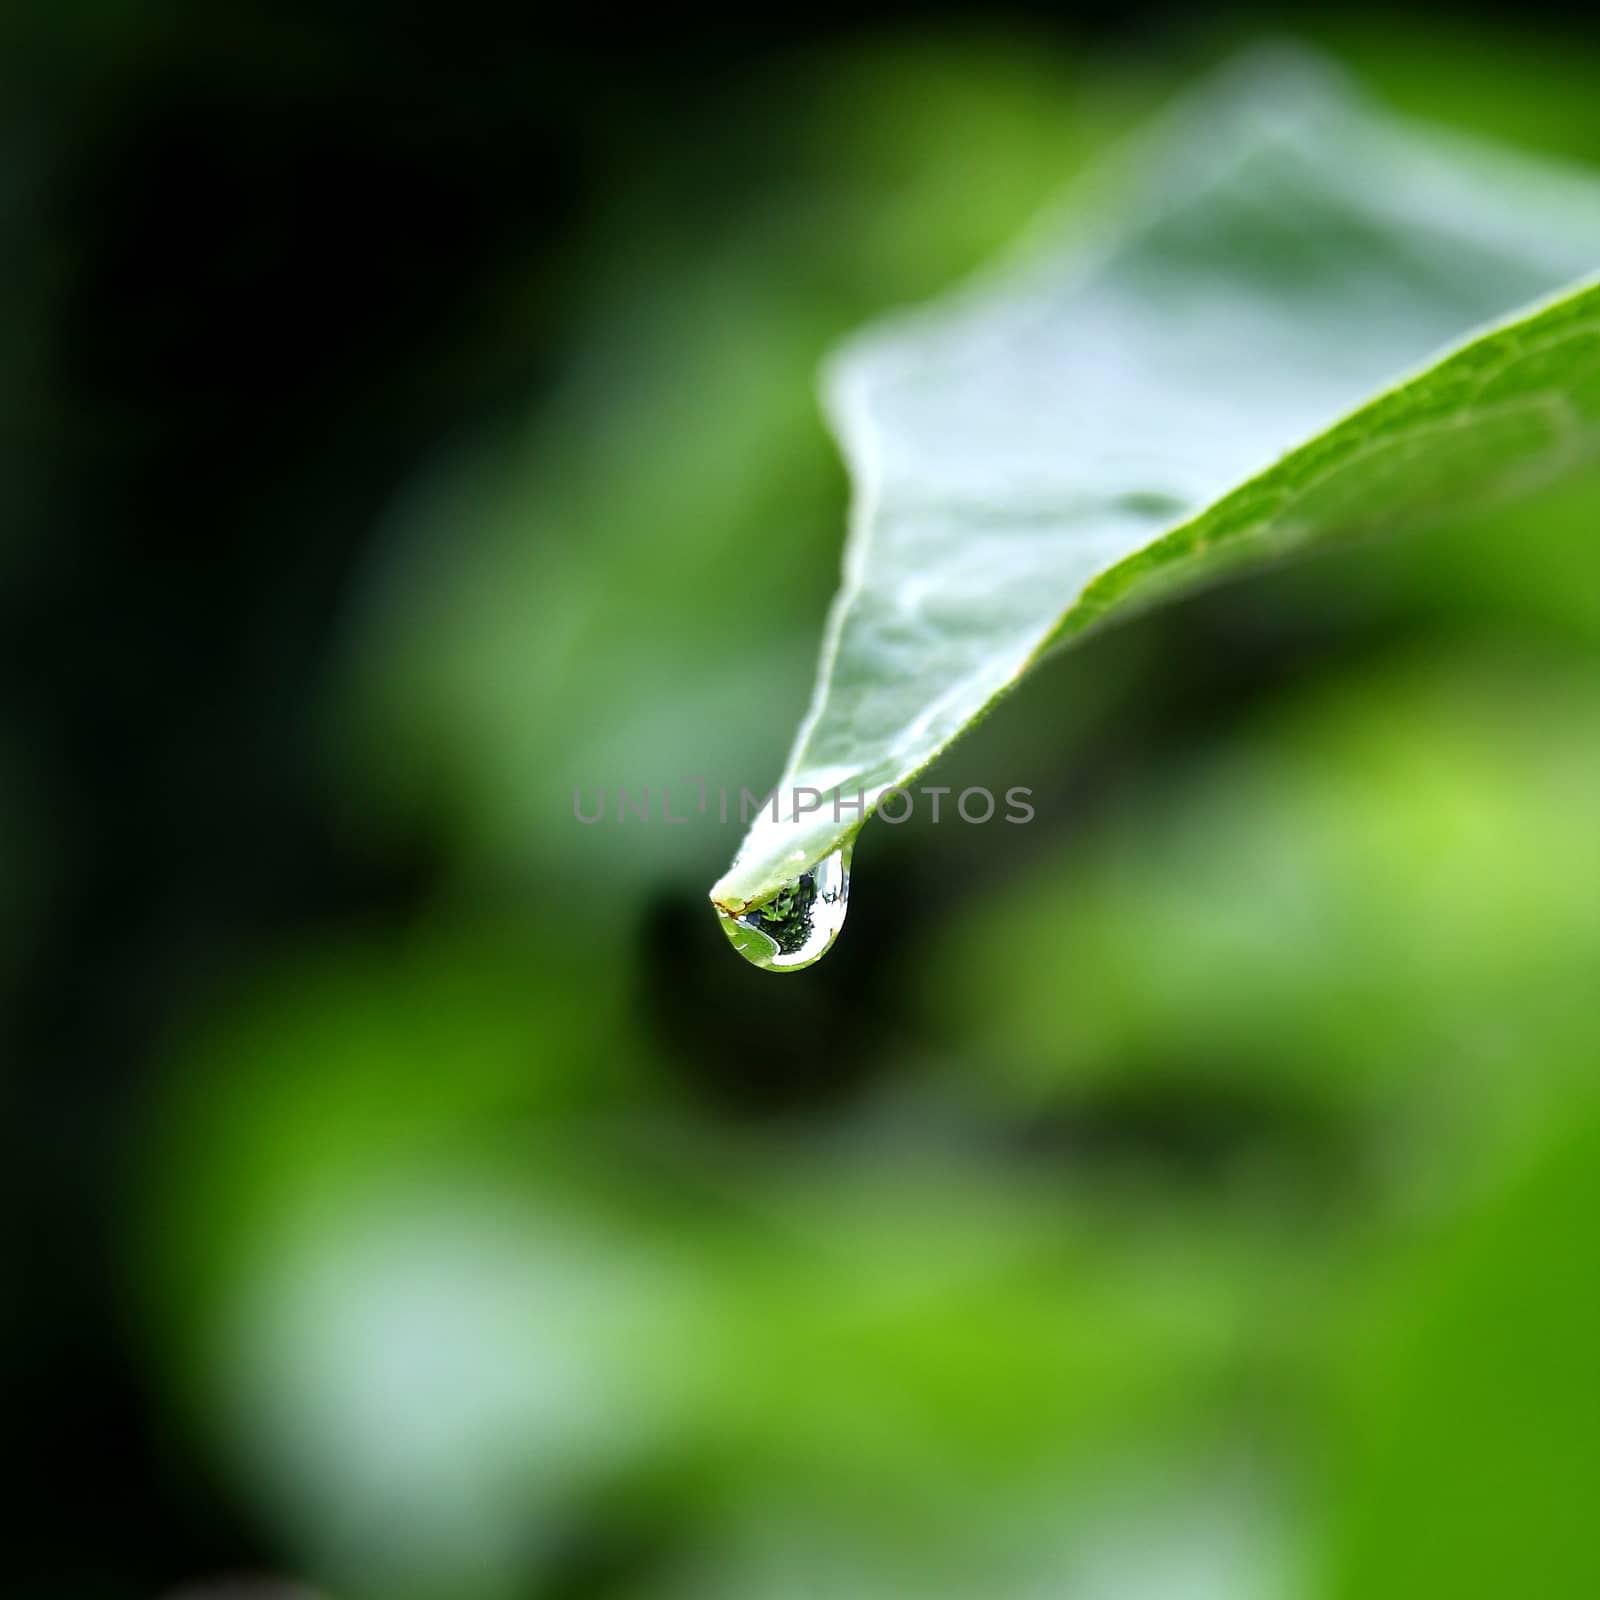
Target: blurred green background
(1191, 1194)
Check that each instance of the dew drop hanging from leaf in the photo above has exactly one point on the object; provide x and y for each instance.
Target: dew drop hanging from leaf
(797, 925)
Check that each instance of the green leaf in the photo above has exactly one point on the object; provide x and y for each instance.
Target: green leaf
(1283, 319)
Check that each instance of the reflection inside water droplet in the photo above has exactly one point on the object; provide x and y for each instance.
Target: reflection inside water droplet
(798, 924)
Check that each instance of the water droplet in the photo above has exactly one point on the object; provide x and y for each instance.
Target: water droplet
(799, 923)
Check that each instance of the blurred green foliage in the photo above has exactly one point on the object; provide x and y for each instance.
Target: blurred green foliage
(1468, 1466)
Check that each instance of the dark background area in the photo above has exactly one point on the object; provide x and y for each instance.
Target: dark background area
(259, 260)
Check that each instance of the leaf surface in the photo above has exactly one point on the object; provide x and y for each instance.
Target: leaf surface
(1284, 319)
